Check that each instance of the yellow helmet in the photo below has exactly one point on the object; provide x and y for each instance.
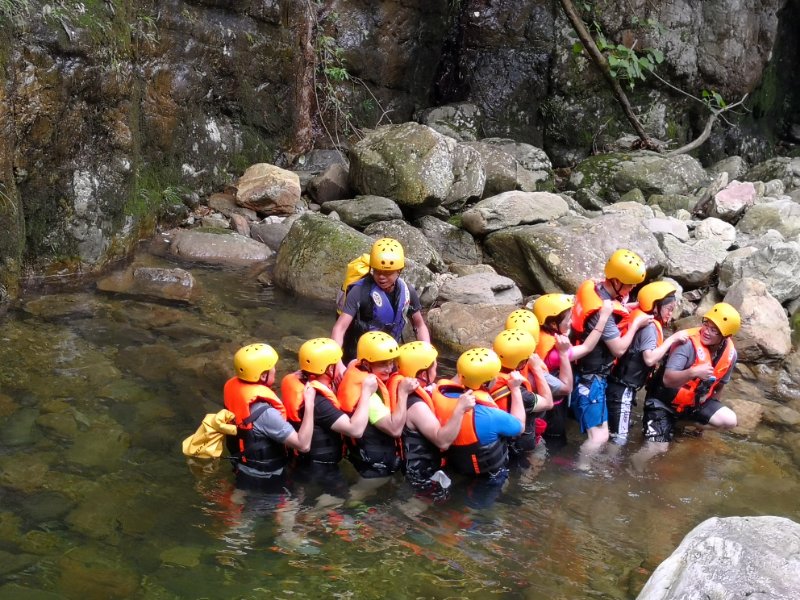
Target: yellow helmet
(725, 317)
(251, 361)
(551, 305)
(654, 292)
(414, 357)
(315, 356)
(478, 366)
(387, 255)
(376, 346)
(513, 346)
(625, 266)
(523, 319)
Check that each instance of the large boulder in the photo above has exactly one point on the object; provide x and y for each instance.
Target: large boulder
(410, 163)
(782, 215)
(453, 243)
(734, 557)
(612, 175)
(312, 259)
(150, 282)
(481, 288)
(556, 257)
(460, 327)
(733, 200)
(364, 210)
(782, 167)
(512, 208)
(693, 264)
(765, 332)
(269, 190)
(215, 248)
(774, 264)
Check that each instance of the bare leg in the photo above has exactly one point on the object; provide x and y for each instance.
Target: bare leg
(596, 437)
(648, 451)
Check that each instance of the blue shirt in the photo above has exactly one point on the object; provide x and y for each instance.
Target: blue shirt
(492, 423)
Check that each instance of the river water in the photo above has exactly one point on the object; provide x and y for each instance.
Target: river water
(97, 501)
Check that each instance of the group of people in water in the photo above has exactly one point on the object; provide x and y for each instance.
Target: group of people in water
(364, 395)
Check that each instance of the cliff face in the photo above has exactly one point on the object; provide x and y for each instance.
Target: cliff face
(111, 110)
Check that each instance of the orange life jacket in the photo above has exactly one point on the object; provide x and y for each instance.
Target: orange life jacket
(263, 454)
(326, 444)
(466, 455)
(546, 343)
(239, 395)
(501, 393)
(587, 302)
(292, 388)
(696, 391)
(374, 454)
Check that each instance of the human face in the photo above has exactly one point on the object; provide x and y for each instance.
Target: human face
(385, 279)
(665, 312)
(710, 334)
(382, 369)
(565, 322)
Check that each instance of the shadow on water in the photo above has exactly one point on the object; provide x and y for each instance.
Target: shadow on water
(96, 500)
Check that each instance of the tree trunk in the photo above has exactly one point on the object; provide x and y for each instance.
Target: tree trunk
(600, 61)
(302, 21)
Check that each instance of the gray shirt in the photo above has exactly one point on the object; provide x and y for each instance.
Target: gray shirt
(683, 356)
(270, 423)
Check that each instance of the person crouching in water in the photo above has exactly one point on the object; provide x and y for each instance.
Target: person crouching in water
(554, 313)
(375, 454)
(317, 359)
(689, 383)
(516, 350)
(262, 433)
(632, 369)
(424, 437)
(481, 446)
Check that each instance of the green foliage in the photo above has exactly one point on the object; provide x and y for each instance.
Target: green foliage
(626, 63)
(155, 190)
(713, 100)
(14, 12)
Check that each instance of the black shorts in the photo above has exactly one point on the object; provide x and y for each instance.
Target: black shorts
(659, 420)
(620, 400)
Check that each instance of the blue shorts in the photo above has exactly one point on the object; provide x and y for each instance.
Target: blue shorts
(588, 402)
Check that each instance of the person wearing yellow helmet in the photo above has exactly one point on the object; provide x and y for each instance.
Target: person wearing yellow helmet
(648, 347)
(516, 349)
(258, 451)
(317, 359)
(424, 437)
(375, 454)
(623, 271)
(481, 446)
(381, 301)
(688, 385)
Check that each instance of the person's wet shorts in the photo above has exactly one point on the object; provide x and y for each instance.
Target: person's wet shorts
(589, 402)
(704, 413)
(659, 421)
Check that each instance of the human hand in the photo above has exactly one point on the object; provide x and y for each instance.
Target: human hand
(702, 372)
(515, 380)
(309, 395)
(537, 363)
(408, 385)
(606, 309)
(370, 384)
(466, 401)
(678, 337)
(642, 320)
(562, 343)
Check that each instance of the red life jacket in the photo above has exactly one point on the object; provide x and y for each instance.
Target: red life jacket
(686, 397)
(466, 455)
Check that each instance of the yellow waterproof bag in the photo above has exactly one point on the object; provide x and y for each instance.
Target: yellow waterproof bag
(209, 439)
(358, 268)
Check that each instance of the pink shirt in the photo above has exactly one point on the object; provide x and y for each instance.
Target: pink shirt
(553, 360)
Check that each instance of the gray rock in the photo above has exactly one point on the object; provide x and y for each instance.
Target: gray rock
(332, 184)
(781, 215)
(271, 232)
(632, 208)
(782, 167)
(765, 332)
(504, 172)
(733, 166)
(410, 163)
(668, 225)
(364, 210)
(512, 208)
(151, 282)
(672, 203)
(734, 557)
(226, 204)
(460, 327)
(775, 265)
(558, 257)
(716, 229)
(460, 121)
(216, 248)
(693, 264)
(453, 243)
(469, 178)
(481, 288)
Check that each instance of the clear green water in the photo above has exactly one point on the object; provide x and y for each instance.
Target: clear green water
(97, 501)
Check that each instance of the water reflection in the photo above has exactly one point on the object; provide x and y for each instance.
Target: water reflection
(96, 500)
